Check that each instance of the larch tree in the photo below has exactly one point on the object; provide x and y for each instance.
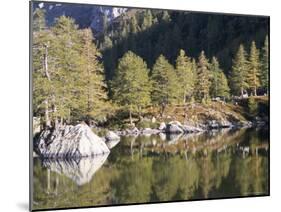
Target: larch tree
(219, 86)
(93, 99)
(131, 84)
(264, 77)
(185, 75)
(165, 87)
(203, 81)
(67, 76)
(42, 68)
(254, 69)
(238, 73)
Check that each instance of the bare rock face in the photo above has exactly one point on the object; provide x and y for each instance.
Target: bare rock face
(69, 142)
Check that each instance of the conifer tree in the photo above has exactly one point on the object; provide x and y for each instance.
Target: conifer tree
(93, 98)
(239, 71)
(219, 86)
(203, 81)
(254, 69)
(265, 66)
(42, 66)
(165, 88)
(39, 22)
(66, 75)
(131, 85)
(185, 75)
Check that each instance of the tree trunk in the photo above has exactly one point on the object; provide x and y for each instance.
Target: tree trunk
(47, 117)
(130, 116)
(242, 92)
(48, 181)
(162, 110)
(255, 91)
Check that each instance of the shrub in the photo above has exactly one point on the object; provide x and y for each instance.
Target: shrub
(147, 124)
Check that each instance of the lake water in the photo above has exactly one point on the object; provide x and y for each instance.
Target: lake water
(227, 163)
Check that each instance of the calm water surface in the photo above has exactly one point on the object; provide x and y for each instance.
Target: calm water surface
(142, 169)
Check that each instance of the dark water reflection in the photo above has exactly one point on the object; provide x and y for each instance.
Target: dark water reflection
(159, 168)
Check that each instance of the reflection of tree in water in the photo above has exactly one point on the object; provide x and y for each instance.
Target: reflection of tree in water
(251, 176)
(174, 178)
(54, 189)
(149, 169)
(134, 182)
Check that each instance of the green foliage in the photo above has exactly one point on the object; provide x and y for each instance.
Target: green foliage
(265, 65)
(203, 81)
(147, 124)
(165, 85)
(219, 86)
(253, 74)
(68, 78)
(131, 85)
(39, 22)
(239, 71)
(252, 106)
(185, 75)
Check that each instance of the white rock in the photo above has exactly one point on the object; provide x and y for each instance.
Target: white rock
(70, 142)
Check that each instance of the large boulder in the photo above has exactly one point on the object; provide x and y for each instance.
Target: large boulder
(69, 142)
(173, 128)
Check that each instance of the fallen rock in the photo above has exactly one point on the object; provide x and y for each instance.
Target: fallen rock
(69, 142)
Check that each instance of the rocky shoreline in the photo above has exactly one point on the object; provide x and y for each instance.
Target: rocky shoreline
(175, 127)
(78, 141)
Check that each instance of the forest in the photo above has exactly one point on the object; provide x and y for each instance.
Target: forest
(145, 59)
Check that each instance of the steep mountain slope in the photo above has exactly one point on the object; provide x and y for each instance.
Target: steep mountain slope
(85, 15)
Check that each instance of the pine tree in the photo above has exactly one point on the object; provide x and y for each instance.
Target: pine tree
(254, 69)
(185, 75)
(238, 73)
(265, 66)
(219, 86)
(203, 82)
(39, 22)
(131, 85)
(165, 88)
(93, 97)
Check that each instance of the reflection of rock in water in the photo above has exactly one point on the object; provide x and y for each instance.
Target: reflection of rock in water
(112, 143)
(173, 138)
(80, 171)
